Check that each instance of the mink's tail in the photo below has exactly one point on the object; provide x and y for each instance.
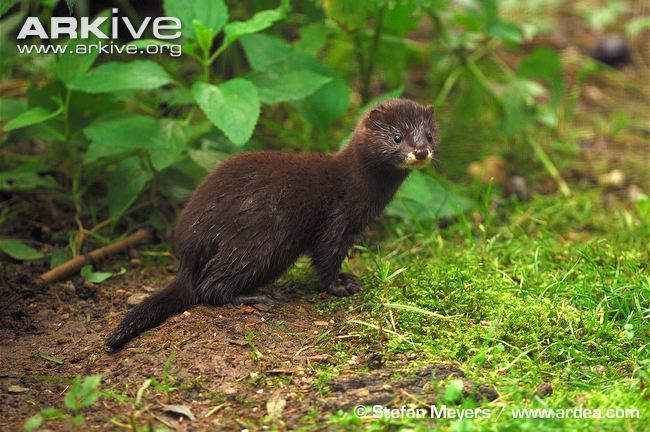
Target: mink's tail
(152, 311)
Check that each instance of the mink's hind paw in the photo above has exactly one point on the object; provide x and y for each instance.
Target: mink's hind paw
(345, 285)
(256, 298)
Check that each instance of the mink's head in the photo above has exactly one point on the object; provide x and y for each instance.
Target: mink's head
(401, 133)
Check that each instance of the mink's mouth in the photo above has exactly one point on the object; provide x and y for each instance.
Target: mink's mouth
(412, 163)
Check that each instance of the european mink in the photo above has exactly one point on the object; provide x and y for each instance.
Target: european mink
(254, 215)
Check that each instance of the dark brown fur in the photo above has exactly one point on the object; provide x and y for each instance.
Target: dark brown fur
(258, 212)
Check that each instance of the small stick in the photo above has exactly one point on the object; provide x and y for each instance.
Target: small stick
(74, 265)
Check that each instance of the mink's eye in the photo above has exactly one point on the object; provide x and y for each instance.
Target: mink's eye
(429, 137)
(397, 138)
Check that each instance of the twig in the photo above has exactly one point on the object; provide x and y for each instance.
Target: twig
(74, 265)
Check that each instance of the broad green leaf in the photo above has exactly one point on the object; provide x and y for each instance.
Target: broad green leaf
(424, 198)
(83, 393)
(401, 17)
(296, 85)
(267, 53)
(232, 106)
(59, 256)
(125, 184)
(506, 31)
(122, 135)
(212, 13)
(350, 15)
(52, 413)
(260, 21)
(19, 250)
(313, 38)
(207, 157)
(94, 277)
(323, 107)
(544, 63)
(74, 62)
(5, 5)
(33, 423)
(11, 107)
(26, 176)
(519, 104)
(117, 76)
(163, 140)
(175, 136)
(326, 105)
(204, 35)
(30, 117)
(70, 4)
(454, 391)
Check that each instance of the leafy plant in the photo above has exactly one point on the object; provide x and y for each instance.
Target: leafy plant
(126, 143)
(81, 394)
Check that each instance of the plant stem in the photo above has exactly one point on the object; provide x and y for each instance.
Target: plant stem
(548, 165)
(368, 69)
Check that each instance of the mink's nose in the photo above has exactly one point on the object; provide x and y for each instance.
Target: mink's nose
(421, 154)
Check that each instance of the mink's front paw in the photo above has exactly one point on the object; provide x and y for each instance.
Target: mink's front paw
(345, 285)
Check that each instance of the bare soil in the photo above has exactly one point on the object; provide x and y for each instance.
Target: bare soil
(227, 379)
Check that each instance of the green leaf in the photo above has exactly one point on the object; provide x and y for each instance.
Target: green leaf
(52, 413)
(11, 107)
(5, 5)
(33, 423)
(260, 21)
(423, 198)
(323, 107)
(212, 13)
(83, 393)
(51, 359)
(30, 117)
(72, 64)
(232, 106)
(58, 257)
(326, 105)
(401, 17)
(163, 140)
(117, 76)
(519, 104)
(125, 185)
(94, 277)
(454, 391)
(506, 31)
(545, 63)
(19, 250)
(70, 4)
(26, 177)
(204, 35)
(350, 15)
(295, 85)
(313, 38)
(207, 157)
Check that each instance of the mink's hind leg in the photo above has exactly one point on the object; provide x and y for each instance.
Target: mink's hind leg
(255, 298)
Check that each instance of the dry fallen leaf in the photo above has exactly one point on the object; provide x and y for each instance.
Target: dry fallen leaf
(181, 410)
(17, 389)
(275, 406)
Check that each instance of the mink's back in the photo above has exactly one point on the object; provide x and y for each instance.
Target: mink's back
(255, 214)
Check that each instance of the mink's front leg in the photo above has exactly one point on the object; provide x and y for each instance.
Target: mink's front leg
(327, 257)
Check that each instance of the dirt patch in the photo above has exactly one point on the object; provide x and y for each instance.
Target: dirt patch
(231, 366)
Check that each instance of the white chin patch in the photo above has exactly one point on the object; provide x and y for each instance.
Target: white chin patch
(411, 162)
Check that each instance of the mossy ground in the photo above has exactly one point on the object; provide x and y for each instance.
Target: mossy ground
(556, 292)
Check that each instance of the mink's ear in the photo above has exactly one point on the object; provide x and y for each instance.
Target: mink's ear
(429, 109)
(376, 112)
